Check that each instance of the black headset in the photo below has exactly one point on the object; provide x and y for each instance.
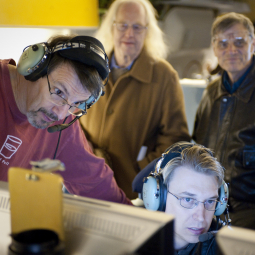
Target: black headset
(34, 61)
(154, 192)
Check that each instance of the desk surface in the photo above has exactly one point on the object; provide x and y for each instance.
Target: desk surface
(98, 227)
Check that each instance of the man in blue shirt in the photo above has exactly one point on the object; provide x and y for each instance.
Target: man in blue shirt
(226, 114)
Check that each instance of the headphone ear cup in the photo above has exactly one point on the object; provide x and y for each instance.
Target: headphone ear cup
(33, 62)
(154, 193)
(223, 197)
(163, 193)
(150, 193)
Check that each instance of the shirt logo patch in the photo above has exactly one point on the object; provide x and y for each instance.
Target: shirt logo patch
(10, 146)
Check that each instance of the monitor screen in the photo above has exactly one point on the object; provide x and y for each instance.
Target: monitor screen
(235, 240)
(98, 227)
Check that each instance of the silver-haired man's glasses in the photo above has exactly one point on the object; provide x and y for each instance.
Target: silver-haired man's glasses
(57, 98)
(190, 203)
(137, 28)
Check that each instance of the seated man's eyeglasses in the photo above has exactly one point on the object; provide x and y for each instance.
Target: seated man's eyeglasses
(190, 203)
(57, 98)
(123, 27)
(238, 40)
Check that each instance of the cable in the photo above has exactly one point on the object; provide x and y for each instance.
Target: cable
(60, 132)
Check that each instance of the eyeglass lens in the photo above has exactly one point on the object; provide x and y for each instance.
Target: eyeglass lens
(239, 41)
(123, 27)
(191, 203)
(58, 100)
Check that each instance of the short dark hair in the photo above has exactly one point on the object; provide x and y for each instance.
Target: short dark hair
(223, 22)
(88, 75)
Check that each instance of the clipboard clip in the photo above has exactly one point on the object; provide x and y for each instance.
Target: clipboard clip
(47, 165)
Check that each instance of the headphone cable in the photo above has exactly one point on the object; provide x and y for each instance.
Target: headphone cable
(217, 222)
(210, 245)
(60, 132)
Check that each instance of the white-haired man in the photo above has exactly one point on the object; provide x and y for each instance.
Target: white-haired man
(143, 106)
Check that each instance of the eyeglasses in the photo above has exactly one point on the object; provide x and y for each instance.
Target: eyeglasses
(190, 203)
(239, 41)
(57, 98)
(123, 27)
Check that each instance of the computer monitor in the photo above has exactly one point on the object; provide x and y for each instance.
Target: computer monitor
(98, 227)
(236, 240)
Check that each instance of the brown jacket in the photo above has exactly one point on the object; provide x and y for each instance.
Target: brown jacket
(226, 124)
(144, 107)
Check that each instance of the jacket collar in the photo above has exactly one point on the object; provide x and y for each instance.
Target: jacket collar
(142, 68)
(245, 90)
(247, 87)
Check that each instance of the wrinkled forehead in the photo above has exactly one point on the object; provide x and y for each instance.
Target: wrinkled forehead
(131, 9)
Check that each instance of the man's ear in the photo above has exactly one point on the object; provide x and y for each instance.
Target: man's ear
(253, 45)
(214, 49)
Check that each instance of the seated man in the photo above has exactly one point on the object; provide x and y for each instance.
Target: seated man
(189, 186)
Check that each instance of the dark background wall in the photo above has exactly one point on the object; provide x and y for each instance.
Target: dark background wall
(251, 14)
(104, 4)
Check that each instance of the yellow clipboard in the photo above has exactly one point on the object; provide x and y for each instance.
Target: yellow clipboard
(36, 201)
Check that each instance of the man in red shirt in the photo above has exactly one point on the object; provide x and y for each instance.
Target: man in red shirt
(53, 81)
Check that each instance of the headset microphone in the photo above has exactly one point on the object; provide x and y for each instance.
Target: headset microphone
(207, 236)
(61, 127)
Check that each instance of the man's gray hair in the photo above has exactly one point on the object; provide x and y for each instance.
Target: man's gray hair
(224, 22)
(197, 158)
(154, 41)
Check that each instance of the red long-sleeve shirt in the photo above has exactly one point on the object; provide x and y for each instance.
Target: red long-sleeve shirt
(20, 143)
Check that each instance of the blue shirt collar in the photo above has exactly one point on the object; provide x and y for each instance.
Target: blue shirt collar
(235, 85)
(114, 64)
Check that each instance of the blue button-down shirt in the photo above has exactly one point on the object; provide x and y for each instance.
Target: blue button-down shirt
(114, 64)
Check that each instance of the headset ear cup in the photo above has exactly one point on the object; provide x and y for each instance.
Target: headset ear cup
(34, 61)
(151, 193)
(223, 197)
(154, 190)
(40, 72)
(154, 193)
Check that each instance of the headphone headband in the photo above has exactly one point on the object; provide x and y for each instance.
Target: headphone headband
(87, 50)
(35, 59)
(77, 45)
